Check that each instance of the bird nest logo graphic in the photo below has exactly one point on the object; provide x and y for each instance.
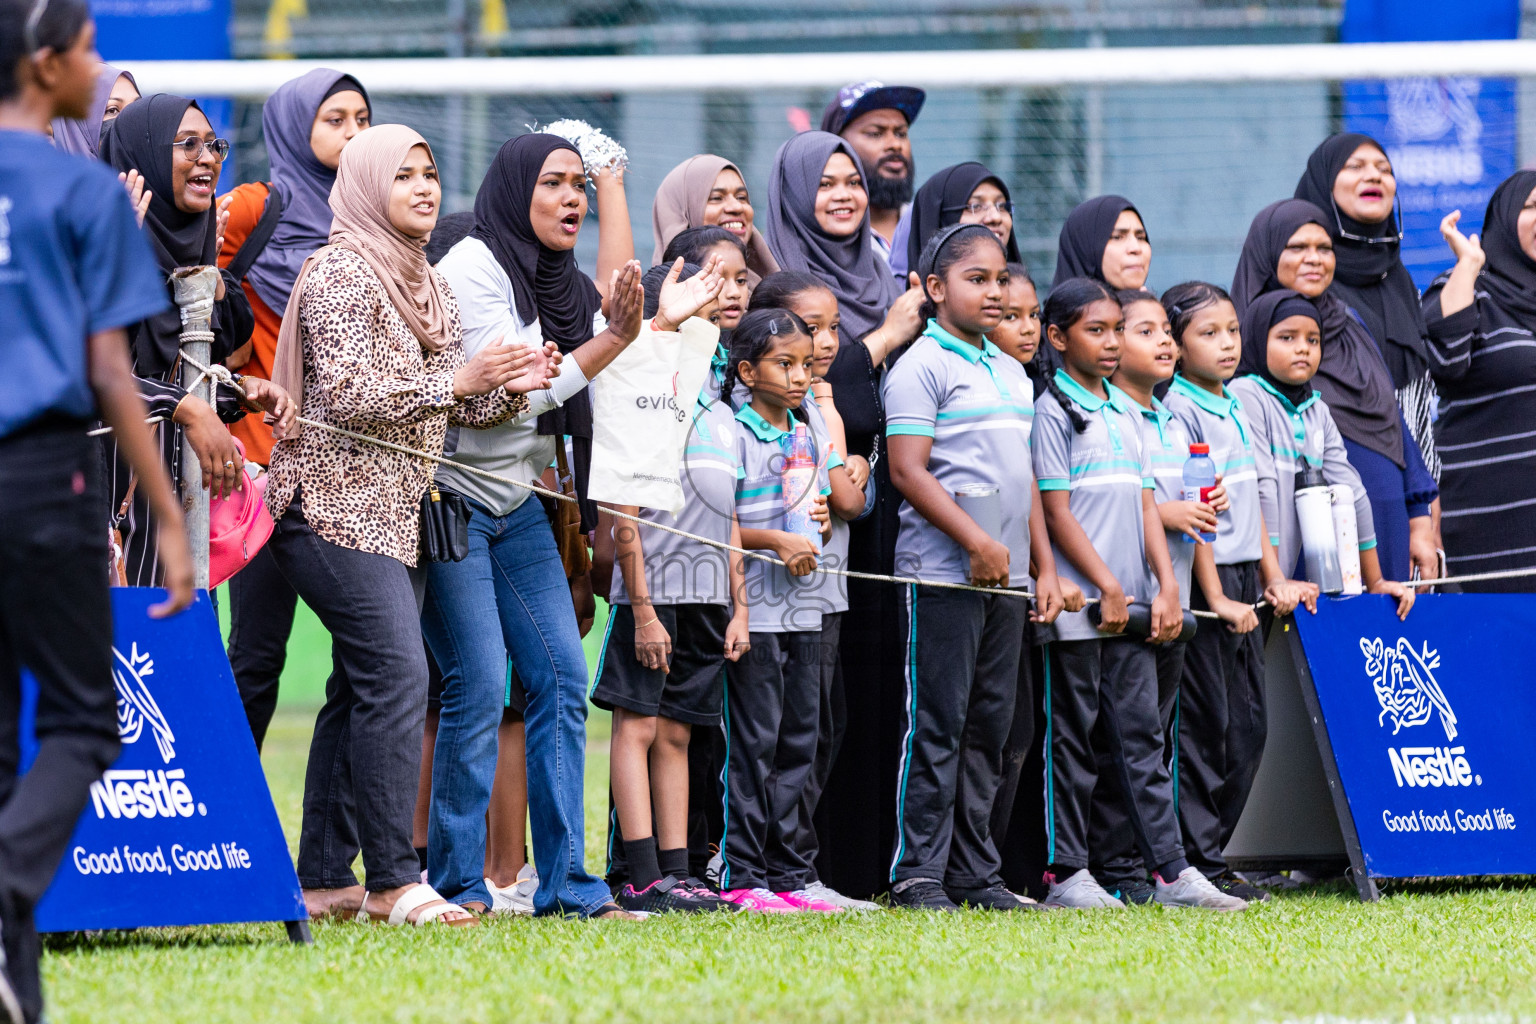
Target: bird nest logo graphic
(136, 706)
(1405, 685)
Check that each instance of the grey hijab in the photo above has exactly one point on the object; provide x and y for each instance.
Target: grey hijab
(83, 138)
(857, 274)
(298, 176)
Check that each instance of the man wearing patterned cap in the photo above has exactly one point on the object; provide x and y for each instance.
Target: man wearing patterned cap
(874, 119)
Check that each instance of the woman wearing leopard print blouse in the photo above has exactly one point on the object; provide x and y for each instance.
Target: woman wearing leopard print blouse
(371, 342)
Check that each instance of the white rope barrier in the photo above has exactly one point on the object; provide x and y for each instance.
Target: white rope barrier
(222, 375)
(1128, 65)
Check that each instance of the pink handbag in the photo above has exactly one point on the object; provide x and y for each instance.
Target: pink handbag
(238, 525)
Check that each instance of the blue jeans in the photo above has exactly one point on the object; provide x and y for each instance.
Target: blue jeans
(509, 596)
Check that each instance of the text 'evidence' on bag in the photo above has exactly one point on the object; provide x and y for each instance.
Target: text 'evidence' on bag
(642, 411)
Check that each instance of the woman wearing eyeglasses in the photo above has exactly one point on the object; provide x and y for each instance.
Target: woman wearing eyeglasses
(966, 193)
(169, 141)
(1349, 176)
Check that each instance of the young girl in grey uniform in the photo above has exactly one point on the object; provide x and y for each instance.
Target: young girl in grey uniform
(1222, 719)
(1147, 359)
(1097, 487)
(1293, 427)
(958, 415)
(772, 697)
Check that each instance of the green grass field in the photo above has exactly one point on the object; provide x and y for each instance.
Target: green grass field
(1430, 952)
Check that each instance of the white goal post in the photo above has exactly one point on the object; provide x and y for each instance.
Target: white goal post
(440, 76)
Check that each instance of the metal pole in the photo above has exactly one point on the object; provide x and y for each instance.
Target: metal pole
(1093, 115)
(195, 288)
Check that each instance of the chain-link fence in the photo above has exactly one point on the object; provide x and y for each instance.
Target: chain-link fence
(316, 28)
(1198, 159)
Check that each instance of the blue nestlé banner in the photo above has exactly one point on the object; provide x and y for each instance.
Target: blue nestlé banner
(1451, 141)
(1431, 723)
(181, 829)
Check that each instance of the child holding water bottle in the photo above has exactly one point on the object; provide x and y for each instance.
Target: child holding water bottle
(1222, 720)
(1097, 488)
(772, 699)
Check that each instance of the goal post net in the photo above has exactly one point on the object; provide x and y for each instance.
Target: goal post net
(1199, 138)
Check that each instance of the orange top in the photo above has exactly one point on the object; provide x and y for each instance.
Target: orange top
(244, 212)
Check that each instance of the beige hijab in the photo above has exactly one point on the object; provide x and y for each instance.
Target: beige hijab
(679, 206)
(360, 203)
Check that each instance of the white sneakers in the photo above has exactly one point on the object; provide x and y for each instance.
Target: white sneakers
(1193, 889)
(1081, 891)
(821, 891)
(517, 898)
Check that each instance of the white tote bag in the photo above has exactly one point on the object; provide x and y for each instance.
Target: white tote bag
(642, 407)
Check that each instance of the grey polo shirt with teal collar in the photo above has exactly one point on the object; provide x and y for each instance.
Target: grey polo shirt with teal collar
(1106, 467)
(977, 404)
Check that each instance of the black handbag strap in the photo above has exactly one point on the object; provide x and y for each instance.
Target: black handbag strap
(260, 235)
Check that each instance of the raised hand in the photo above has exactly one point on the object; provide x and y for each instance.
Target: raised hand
(223, 222)
(139, 196)
(1467, 248)
(626, 302)
(680, 300)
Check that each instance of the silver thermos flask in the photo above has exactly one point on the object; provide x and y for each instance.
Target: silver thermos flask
(1319, 543)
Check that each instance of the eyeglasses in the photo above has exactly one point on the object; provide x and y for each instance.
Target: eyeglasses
(29, 29)
(976, 207)
(1397, 209)
(193, 147)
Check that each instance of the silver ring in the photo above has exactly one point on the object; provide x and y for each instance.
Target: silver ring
(229, 465)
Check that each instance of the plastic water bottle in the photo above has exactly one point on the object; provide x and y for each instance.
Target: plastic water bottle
(1347, 534)
(799, 481)
(1319, 540)
(1199, 482)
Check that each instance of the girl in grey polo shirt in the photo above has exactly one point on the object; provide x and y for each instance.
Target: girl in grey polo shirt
(1097, 485)
(958, 415)
(1282, 347)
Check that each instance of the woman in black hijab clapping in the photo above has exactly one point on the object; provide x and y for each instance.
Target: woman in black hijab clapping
(1481, 323)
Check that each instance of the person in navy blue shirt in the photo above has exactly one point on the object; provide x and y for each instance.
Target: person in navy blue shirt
(74, 272)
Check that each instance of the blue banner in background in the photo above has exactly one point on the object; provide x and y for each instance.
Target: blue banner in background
(1430, 721)
(1451, 140)
(170, 30)
(162, 29)
(181, 829)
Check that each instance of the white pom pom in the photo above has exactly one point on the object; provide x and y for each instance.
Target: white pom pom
(598, 151)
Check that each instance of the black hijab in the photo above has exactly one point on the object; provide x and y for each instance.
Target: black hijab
(941, 201)
(1370, 276)
(1084, 234)
(1509, 274)
(1353, 379)
(1261, 315)
(140, 139)
(547, 285)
